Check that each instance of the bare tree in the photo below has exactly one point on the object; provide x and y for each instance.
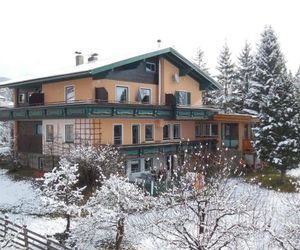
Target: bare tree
(207, 210)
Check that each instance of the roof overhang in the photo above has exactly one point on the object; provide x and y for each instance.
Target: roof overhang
(184, 65)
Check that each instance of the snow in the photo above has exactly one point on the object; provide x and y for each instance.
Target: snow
(80, 68)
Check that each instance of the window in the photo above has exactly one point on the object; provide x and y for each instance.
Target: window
(135, 134)
(69, 94)
(135, 166)
(166, 132)
(144, 96)
(150, 67)
(69, 133)
(246, 131)
(198, 130)
(176, 131)
(148, 164)
(117, 134)
(183, 98)
(214, 129)
(49, 133)
(206, 129)
(38, 129)
(149, 132)
(22, 98)
(122, 94)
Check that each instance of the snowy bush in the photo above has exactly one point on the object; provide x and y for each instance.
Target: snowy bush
(95, 163)
(61, 191)
(108, 211)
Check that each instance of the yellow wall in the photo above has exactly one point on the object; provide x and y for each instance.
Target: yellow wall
(187, 130)
(55, 92)
(133, 87)
(169, 86)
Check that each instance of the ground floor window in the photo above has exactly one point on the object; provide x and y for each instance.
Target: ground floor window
(149, 132)
(176, 131)
(166, 132)
(69, 133)
(49, 132)
(118, 134)
(135, 166)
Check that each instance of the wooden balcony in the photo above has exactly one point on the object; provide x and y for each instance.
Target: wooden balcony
(98, 109)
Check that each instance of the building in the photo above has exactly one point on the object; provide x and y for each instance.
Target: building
(150, 105)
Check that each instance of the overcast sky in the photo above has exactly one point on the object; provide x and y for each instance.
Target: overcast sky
(38, 36)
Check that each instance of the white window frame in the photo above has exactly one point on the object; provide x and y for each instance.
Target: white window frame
(140, 133)
(153, 132)
(149, 70)
(69, 124)
(170, 132)
(47, 139)
(180, 131)
(113, 133)
(185, 91)
(128, 93)
(65, 93)
(150, 99)
(138, 161)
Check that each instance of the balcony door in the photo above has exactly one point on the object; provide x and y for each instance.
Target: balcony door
(135, 134)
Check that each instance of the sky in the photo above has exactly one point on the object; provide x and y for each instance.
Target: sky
(39, 36)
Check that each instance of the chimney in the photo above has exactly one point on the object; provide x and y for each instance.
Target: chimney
(158, 43)
(79, 58)
(93, 58)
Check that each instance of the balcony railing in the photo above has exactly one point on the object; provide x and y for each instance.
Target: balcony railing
(103, 108)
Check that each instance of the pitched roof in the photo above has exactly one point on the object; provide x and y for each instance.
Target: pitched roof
(100, 68)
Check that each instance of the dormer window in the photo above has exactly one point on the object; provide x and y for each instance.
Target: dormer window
(150, 67)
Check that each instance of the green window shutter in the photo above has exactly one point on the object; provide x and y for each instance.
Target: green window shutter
(177, 97)
(188, 98)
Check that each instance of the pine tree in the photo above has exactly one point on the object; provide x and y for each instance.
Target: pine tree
(269, 66)
(245, 74)
(278, 136)
(226, 77)
(297, 78)
(199, 61)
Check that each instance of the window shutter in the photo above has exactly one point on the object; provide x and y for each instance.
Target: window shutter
(188, 98)
(177, 97)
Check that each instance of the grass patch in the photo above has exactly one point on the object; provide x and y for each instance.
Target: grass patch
(270, 178)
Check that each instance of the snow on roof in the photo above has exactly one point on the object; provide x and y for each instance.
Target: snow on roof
(80, 68)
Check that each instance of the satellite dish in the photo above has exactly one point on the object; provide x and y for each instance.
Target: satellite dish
(176, 78)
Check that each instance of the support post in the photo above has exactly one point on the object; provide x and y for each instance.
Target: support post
(25, 236)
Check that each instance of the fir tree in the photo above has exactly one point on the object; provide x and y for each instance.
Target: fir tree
(226, 77)
(245, 73)
(278, 136)
(199, 61)
(269, 66)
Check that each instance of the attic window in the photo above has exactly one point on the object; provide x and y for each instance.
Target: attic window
(150, 67)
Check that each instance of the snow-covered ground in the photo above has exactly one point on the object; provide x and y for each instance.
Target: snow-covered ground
(21, 201)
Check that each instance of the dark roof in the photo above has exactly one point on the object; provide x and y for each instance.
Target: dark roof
(99, 69)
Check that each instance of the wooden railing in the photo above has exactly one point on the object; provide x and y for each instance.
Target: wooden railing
(22, 238)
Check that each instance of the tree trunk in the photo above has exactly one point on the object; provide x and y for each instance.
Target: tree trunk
(68, 222)
(120, 233)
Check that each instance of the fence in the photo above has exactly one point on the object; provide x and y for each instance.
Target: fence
(22, 238)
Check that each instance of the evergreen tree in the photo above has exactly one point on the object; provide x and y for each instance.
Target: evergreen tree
(199, 61)
(278, 135)
(297, 78)
(226, 77)
(269, 66)
(245, 74)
